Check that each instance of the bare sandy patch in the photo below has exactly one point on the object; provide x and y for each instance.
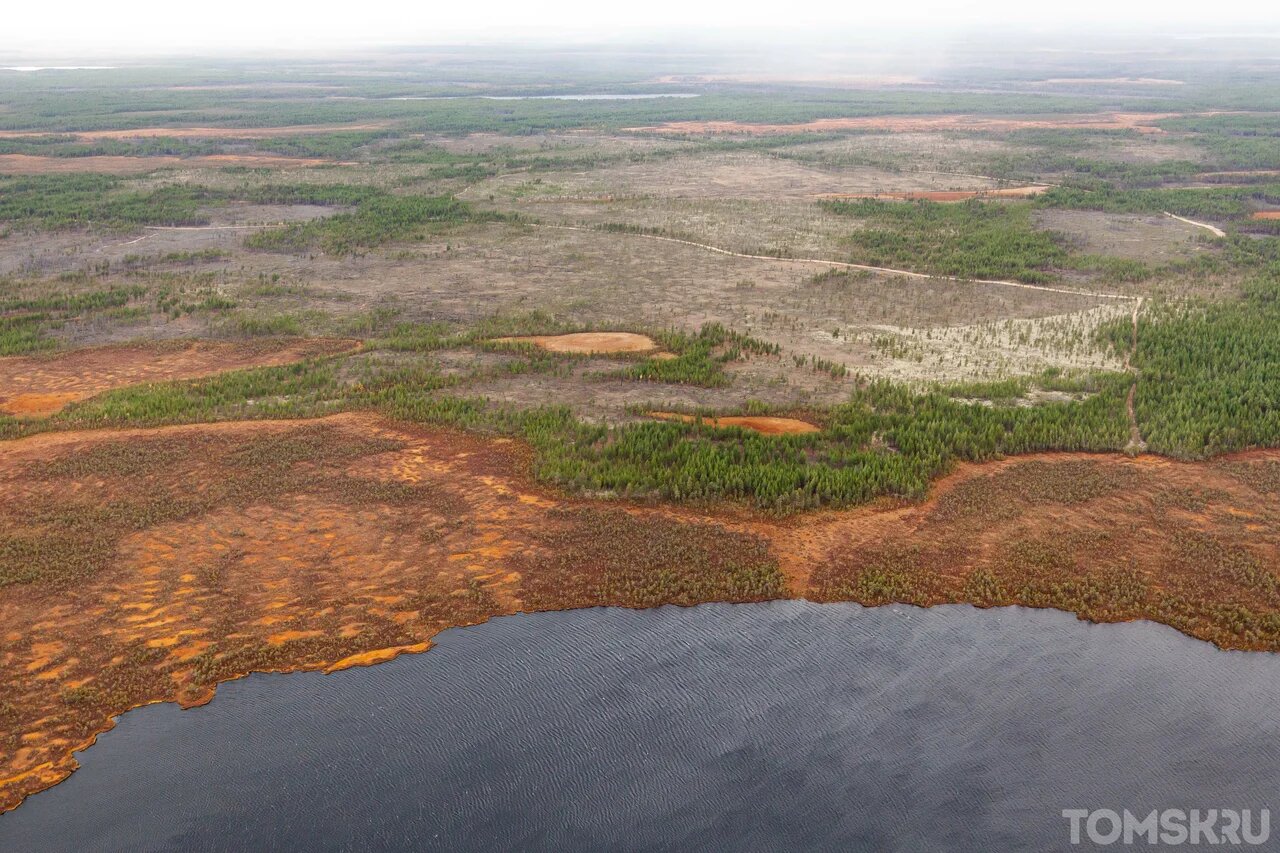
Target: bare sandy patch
(945, 195)
(1266, 214)
(755, 423)
(589, 343)
(35, 386)
(1141, 122)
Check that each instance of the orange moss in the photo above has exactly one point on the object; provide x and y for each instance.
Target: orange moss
(589, 343)
(756, 423)
(345, 556)
(38, 386)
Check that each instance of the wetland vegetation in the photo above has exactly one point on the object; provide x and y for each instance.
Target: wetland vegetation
(263, 389)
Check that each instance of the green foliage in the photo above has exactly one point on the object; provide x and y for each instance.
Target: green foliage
(58, 201)
(378, 219)
(24, 333)
(1210, 202)
(700, 358)
(970, 240)
(1207, 379)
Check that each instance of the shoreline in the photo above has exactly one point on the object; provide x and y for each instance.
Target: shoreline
(532, 550)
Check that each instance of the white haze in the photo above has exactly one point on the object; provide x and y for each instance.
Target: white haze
(88, 28)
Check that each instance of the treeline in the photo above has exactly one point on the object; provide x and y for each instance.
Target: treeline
(1211, 202)
(699, 359)
(1208, 374)
(378, 218)
(60, 201)
(970, 239)
(81, 200)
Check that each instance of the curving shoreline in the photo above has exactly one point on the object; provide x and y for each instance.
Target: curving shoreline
(391, 533)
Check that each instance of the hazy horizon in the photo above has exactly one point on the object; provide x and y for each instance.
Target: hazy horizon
(152, 29)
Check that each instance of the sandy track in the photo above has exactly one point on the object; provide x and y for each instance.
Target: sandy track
(850, 266)
(1213, 229)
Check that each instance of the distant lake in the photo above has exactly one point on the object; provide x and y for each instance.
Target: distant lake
(780, 726)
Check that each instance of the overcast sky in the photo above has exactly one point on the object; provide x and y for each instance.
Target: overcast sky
(68, 27)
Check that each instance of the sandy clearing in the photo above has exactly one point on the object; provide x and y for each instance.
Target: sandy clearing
(755, 423)
(198, 132)
(588, 343)
(945, 195)
(1141, 122)
(38, 386)
(26, 164)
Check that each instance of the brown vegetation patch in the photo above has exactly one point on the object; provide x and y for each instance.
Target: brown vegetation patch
(588, 343)
(1192, 545)
(42, 385)
(141, 566)
(756, 423)
(1266, 214)
(1141, 122)
(148, 565)
(947, 195)
(202, 132)
(26, 164)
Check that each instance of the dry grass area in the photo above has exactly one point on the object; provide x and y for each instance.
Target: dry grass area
(948, 196)
(26, 164)
(38, 386)
(149, 565)
(202, 132)
(1266, 214)
(715, 176)
(1141, 122)
(1152, 239)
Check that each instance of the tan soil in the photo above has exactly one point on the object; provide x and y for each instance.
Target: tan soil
(25, 164)
(1266, 214)
(946, 195)
(368, 553)
(589, 343)
(200, 132)
(39, 386)
(1141, 122)
(756, 423)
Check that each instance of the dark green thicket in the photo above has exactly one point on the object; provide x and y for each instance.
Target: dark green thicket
(57, 201)
(378, 218)
(1212, 203)
(970, 240)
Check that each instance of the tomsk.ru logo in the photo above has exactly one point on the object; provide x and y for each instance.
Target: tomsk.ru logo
(1174, 827)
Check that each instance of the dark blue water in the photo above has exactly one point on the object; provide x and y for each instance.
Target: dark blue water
(782, 726)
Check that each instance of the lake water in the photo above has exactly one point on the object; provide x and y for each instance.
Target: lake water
(780, 726)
